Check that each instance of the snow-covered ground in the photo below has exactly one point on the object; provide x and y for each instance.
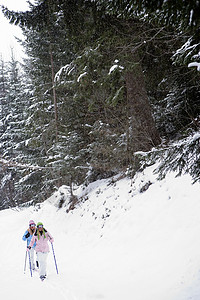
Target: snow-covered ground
(120, 243)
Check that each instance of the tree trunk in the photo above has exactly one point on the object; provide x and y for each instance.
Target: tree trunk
(54, 92)
(143, 134)
(52, 69)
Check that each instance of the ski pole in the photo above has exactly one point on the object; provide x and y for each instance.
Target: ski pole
(30, 263)
(54, 258)
(25, 263)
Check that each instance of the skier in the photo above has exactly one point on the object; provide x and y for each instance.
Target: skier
(27, 237)
(41, 238)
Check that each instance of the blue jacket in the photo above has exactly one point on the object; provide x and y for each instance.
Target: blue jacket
(28, 239)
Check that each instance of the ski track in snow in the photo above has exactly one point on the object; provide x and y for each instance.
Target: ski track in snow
(118, 244)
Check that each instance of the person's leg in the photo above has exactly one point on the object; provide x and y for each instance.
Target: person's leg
(32, 258)
(42, 259)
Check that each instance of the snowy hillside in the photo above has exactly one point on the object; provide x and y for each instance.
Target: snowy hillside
(127, 240)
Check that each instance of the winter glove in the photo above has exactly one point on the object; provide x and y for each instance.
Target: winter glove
(27, 235)
(28, 248)
(51, 240)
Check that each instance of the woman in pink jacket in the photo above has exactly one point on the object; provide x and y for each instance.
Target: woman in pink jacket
(41, 238)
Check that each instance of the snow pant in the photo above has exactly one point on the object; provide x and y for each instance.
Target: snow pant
(42, 260)
(32, 254)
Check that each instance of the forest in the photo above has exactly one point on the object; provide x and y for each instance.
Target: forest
(106, 88)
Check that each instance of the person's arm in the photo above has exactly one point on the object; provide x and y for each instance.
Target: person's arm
(50, 238)
(26, 235)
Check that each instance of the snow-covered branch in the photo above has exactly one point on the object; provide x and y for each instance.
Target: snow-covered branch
(9, 163)
(194, 64)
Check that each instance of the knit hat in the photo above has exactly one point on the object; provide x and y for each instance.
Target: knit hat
(39, 223)
(31, 222)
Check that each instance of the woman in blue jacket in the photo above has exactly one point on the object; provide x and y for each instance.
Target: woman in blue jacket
(27, 237)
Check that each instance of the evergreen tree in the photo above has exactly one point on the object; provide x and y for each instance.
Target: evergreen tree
(47, 48)
(13, 135)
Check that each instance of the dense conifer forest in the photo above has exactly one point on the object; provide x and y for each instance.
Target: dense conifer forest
(106, 88)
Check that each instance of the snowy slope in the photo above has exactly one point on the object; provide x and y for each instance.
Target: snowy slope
(118, 244)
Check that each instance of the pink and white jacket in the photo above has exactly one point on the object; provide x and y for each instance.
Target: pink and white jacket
(41, 242)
